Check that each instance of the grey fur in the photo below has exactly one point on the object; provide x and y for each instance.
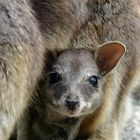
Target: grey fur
(102, 21)
(86, 24)
(21, 61)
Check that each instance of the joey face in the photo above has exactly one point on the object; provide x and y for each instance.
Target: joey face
(75, 85)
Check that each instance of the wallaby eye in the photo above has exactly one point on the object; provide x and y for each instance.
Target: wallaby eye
(93, 80)
(54, 77)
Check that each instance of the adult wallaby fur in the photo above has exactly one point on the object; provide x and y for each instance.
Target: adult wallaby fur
(21, 61)
(72, 89)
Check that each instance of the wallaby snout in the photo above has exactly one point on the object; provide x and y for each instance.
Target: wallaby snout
(72, 102)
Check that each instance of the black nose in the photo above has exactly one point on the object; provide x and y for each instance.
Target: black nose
(72, 103)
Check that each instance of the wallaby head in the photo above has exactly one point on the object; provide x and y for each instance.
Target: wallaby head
(76, 79)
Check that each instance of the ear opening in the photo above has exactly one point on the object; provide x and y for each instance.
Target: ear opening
(108, 55)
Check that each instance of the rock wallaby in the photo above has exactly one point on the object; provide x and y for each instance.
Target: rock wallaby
(21, 61)
(86, 24)
(75, 88)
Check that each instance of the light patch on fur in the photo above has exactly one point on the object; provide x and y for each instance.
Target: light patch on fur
(84, 105)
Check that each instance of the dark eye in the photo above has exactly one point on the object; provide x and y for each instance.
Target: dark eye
(93, 80)
(54, 77)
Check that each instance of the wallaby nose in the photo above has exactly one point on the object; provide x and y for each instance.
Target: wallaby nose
(72, 102)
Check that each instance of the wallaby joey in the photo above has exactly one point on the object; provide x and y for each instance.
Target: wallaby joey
(66, 24)
(74, 89)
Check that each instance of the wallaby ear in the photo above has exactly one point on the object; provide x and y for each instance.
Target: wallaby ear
(108, 55)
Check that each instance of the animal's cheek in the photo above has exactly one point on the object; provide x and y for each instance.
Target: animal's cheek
(59, 89)
(87, 91)
(94, 101)
(97, 100)
(84, 104)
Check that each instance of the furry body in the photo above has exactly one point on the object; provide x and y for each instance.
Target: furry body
(85, 24)
(99, 22)
(21, 61)
(66, 96)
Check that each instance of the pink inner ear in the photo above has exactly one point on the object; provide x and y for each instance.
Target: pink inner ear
(108, 56)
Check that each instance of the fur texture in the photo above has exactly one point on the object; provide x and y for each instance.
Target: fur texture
(86, 24)
(21, 61)
(99, 21)
(70, 91)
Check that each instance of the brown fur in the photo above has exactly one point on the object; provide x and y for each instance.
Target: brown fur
(87, 23)
(57, 119)
(21, 61)
(102, 21)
